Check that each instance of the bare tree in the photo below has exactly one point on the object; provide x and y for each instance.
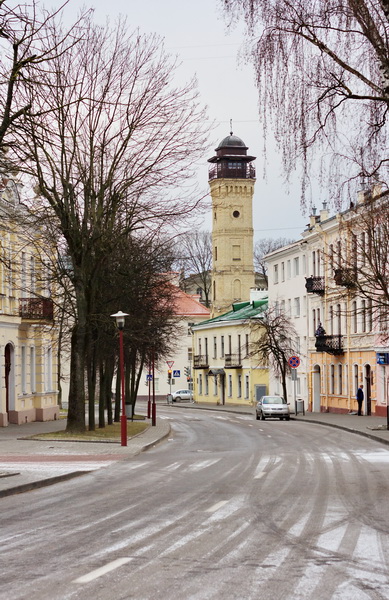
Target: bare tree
(322, 71)
(263, 247)
(112, 145)
(361, 261)
(25, 55)
(194, 260)
(275, 343)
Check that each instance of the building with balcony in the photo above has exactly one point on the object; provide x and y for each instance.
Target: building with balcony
(225, 370)
(28, 349)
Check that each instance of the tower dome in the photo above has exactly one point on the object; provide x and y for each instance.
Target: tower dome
(231, 160)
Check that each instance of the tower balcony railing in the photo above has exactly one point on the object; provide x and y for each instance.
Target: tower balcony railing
(331, 344)
(200, 361)
(36, 309)
(232, 361)
(224, 171)
(315, 285)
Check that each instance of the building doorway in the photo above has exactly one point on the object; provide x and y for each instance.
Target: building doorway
(367, 390)
(8, 376)
(316, 389)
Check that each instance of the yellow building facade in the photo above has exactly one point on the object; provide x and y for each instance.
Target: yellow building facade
(28, 351)
(224, 368)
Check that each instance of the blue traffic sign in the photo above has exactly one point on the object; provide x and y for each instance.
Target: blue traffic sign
(176, 373)
(294, 362)
(149, 377)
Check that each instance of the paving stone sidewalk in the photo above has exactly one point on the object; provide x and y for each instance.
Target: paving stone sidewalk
(27, 464)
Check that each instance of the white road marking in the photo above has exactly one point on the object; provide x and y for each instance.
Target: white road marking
(216, 506)
(203, 464)
(115, 564)
(260, 475)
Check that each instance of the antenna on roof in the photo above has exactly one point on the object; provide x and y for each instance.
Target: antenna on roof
(230, 126)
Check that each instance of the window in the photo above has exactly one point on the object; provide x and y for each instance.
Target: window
(230, 386)
(24, 370)
(229, 345)
(355, 379)
(314, 325)
(236, 252)
(206, 347)
(48, 370)
(200, 384)
(331, 320)
(32, 274)
(32, 370)
(297, 307)
(339, 253)
(214, 347)
(215, 253)
(369, 316)
(215, 386)
(331, 254)
(247, 387)
(239, 348)
(275, 273)
(340, 380)
(239, 386)
(247, 345)
(332, 379)
(296, 266)
(318, 261)
(289, 307)
(282, 271)
(363, 315)
(304, 264)
(288, 269)
(222, 346)
(206, 385)
(354, 317)
(339, 318)
(314, 264)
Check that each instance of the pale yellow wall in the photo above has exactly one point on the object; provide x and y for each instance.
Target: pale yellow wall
(233, 393)
(232, 241)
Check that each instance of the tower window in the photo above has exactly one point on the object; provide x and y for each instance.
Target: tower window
(236, 214)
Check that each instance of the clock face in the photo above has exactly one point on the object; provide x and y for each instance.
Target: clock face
(236, 214)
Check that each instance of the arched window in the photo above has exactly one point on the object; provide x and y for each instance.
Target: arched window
(237, 289)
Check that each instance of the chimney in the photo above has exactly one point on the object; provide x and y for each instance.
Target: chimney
(314, 218)
(324, 212)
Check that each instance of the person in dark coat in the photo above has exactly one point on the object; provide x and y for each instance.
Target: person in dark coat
(360, 397)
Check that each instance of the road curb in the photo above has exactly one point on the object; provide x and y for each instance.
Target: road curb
(371, 436)
(34, 485)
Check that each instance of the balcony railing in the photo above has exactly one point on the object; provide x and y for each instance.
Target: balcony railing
(36, 309)
(331, 344)
(232, 361)
(345, 277)
(314, 285)
(200, 361)
(226, 171)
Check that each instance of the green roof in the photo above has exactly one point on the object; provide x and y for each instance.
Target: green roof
(241, 311)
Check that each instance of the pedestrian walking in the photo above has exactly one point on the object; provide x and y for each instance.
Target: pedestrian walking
(360, 397)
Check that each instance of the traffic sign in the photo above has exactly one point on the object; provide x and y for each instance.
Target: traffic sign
(149, 377)
(170, 363)
(294, 362)
(176, 373)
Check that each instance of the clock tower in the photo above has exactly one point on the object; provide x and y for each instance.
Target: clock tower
(231, 181)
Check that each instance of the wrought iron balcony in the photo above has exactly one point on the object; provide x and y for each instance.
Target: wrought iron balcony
(345, 277)
(36, 309)
(331, 344)
(315, 285)
(224, 170)
(232, 361)
(200, 361)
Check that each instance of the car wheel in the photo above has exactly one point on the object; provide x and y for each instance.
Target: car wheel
(287, 418)
(281, 418)
(262, 417)
(257, 416)
(178, 399)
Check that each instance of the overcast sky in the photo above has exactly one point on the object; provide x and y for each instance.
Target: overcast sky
(197, 32)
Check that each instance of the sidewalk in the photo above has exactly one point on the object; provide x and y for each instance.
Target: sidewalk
(27, 464)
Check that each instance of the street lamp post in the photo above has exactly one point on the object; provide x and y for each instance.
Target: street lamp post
(120, 319)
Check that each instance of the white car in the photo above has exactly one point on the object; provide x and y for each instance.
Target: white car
(180, 395)
(272, 406)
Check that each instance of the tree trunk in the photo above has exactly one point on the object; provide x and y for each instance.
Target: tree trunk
(76, 412)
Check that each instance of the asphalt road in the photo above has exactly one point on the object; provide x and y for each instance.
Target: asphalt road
(227, 508)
